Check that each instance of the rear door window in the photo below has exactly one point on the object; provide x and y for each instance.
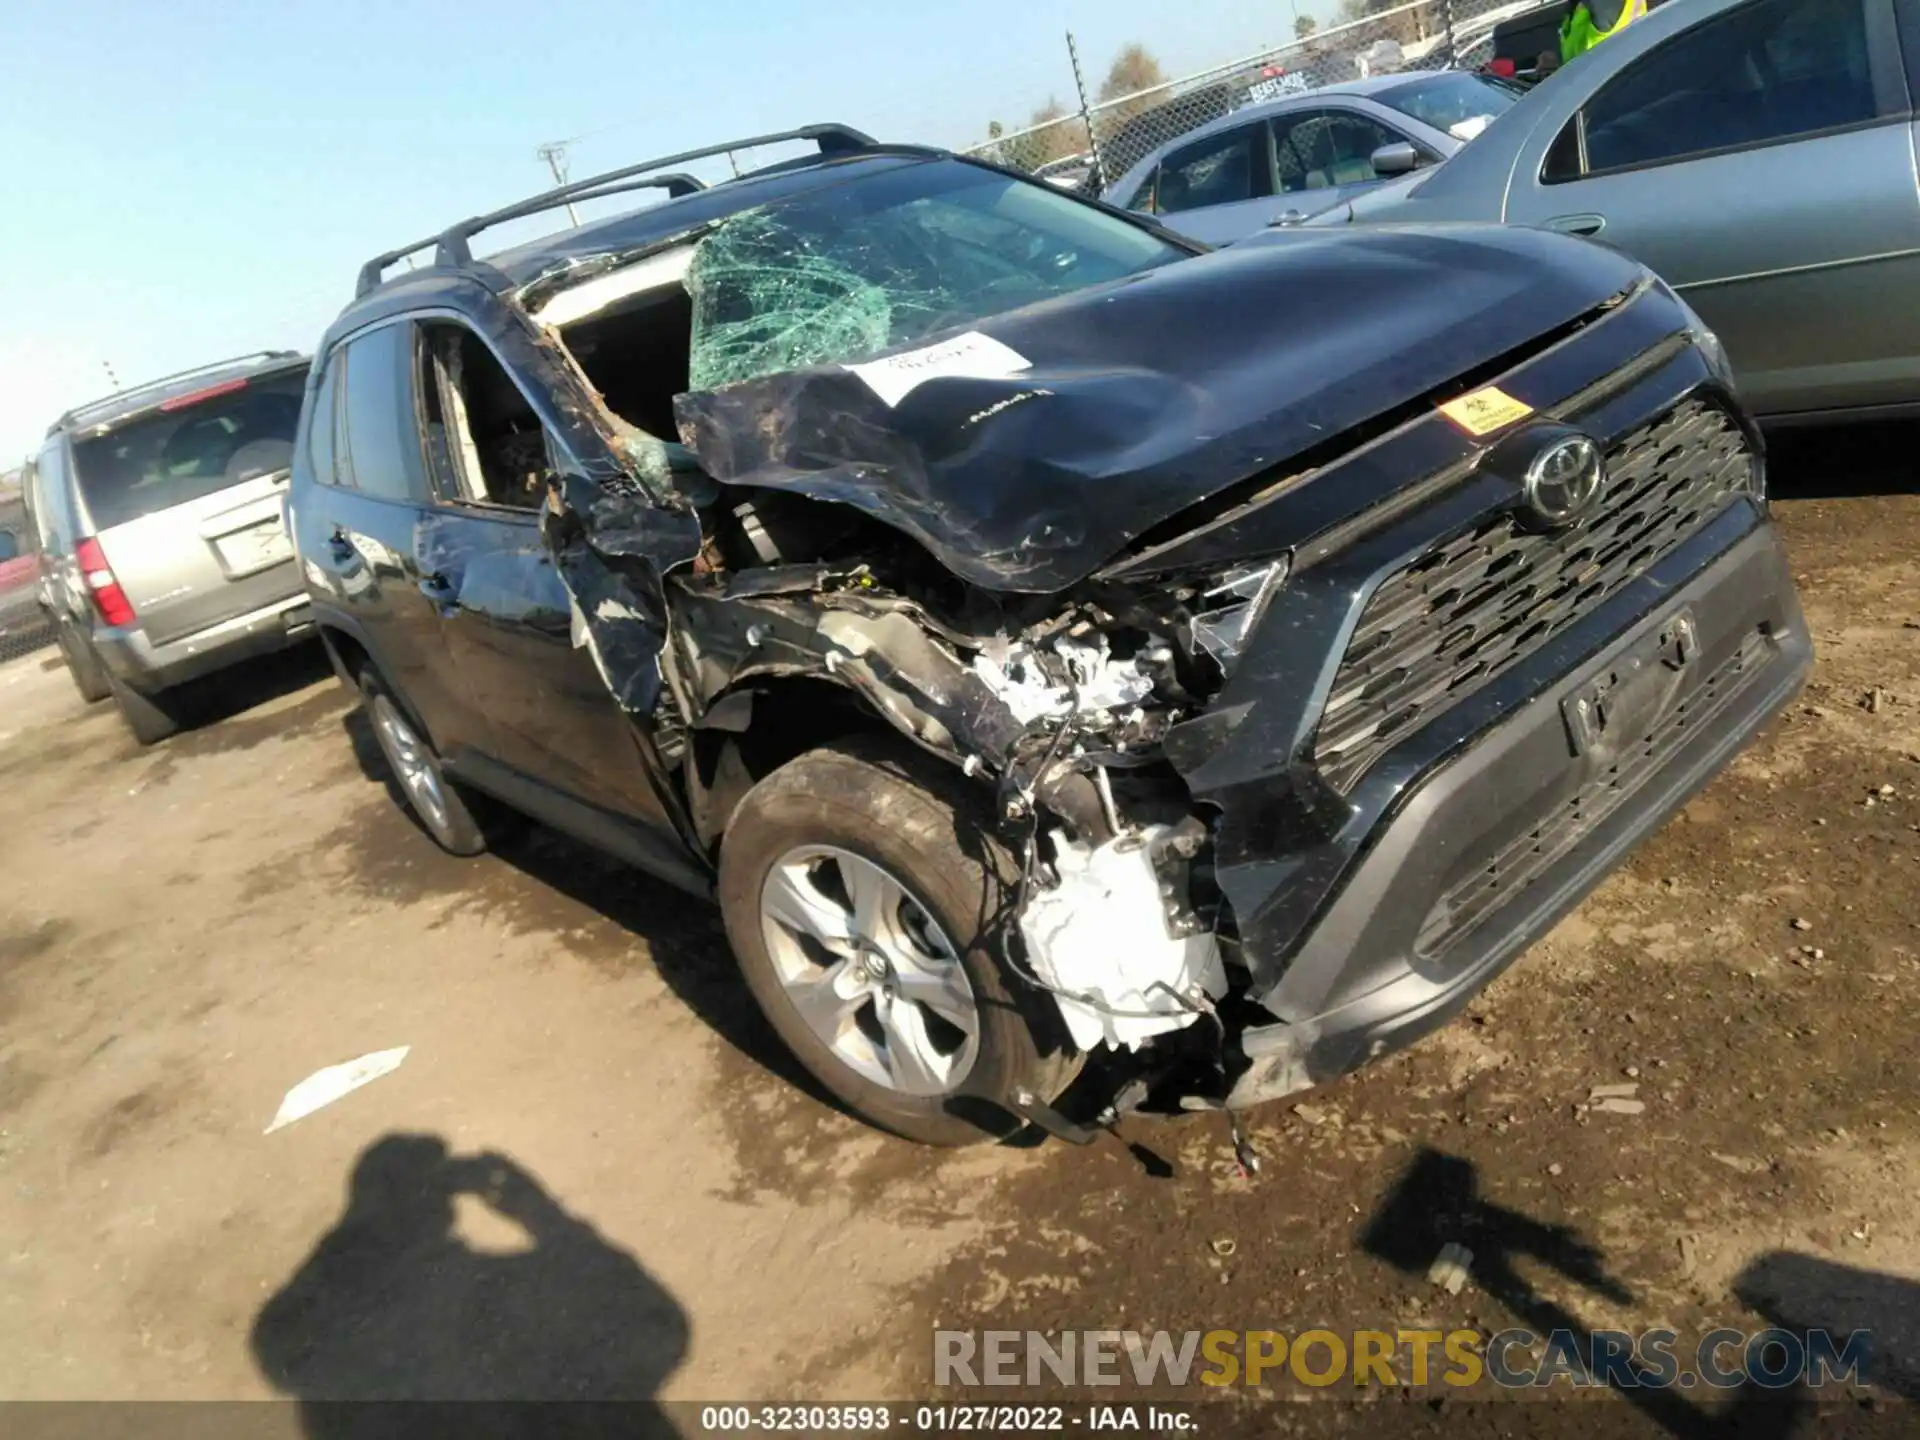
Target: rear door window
(379, 443)
(1219, 170)
(190, 448)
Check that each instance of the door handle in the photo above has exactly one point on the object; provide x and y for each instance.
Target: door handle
(1576, 224)
(340, 544)
(437, 588)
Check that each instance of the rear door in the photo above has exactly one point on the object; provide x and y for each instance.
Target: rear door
(360, 525)
(185, 501)
(1219, 188)
(1762, 162)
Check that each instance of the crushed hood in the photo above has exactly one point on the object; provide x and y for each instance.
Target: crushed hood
(1141, 398)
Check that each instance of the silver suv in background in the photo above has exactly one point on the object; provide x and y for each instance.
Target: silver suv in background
(157, 513)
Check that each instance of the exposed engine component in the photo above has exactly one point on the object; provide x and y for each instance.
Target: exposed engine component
(1100, 941)
(1071, 674)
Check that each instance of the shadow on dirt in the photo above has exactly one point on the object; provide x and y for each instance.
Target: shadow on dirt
(395, 1303)
(1437, 1201)
(215, 707)
(682, 933)
(1831, 462)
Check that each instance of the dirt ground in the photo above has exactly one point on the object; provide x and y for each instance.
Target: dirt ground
(596, 1174)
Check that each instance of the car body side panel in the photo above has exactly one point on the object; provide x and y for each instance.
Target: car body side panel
(1813, 309)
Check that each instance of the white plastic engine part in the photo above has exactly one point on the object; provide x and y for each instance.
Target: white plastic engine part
(1102, 933)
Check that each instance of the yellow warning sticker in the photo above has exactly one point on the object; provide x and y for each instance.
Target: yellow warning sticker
(1483, 411)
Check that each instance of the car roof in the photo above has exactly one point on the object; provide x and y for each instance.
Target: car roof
(634, 230)
(639, 228)
(111, 410)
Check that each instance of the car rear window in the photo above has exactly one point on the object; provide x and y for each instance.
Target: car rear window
(1459, 103)
(173, 457)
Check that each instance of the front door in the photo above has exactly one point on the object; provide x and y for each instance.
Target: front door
(507, 618)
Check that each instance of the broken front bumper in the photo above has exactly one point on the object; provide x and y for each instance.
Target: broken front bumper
(1496, 820)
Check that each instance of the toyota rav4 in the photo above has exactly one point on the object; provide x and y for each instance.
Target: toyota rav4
(1047, 639)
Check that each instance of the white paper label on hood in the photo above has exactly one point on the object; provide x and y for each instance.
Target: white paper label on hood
(971, 356)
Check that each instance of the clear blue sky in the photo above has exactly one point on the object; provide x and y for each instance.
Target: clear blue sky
(190, 179)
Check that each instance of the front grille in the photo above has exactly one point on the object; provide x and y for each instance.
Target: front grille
(1481, 602)
(1519, 864)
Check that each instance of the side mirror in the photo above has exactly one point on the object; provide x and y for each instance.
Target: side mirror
(1396, 159)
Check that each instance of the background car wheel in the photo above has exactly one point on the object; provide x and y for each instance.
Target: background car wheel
(441, 807)
(83, 664)
(151, 718)
(862, 899)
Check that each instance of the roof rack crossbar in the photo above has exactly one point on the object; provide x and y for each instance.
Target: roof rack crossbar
(453, 247)
(120, 397)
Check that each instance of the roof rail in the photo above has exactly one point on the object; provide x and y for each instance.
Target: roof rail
(120, 397)
(452, 247)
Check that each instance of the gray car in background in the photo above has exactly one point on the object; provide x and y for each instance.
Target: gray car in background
(1285, 159)
(1757, 154)
(157, 515)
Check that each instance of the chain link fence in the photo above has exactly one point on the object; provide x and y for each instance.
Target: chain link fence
(1096, 146)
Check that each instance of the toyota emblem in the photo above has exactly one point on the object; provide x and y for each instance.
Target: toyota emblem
(1564, 480)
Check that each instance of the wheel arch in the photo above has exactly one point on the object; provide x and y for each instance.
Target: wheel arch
(759, 723)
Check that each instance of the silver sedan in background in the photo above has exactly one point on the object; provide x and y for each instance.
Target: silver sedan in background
(1757, 154)
(1285, 159)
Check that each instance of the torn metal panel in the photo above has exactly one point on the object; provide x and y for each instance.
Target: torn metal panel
(1145, 396)
(877, 649)
(1101, 942)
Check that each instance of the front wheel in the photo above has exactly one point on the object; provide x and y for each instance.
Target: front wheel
(863, 900)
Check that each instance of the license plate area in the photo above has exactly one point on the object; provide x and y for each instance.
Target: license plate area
(253, 548)
(1620, 701)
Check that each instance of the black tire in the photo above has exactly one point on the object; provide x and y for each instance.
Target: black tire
(463, 823)
(151, 717)
(89, 674)
(928, 830)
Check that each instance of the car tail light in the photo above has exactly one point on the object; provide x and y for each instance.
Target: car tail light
(108, 598)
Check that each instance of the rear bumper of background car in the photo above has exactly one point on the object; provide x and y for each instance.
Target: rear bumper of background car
(141, 665)
(1481, 853)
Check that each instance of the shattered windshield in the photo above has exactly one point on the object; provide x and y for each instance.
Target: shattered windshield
(844, 272)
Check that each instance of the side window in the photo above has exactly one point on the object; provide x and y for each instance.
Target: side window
(1143, 197)
(1764, 72)
(484, 441)
(49, 499)
(325, 424)
(1219, 170)
(1321, 149)
(43, 498)
(379, 444)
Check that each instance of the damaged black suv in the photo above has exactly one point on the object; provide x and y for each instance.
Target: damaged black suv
(1046, 638)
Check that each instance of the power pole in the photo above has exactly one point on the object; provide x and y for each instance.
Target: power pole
(555, 154)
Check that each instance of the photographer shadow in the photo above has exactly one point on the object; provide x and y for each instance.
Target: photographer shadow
(395, 1304)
